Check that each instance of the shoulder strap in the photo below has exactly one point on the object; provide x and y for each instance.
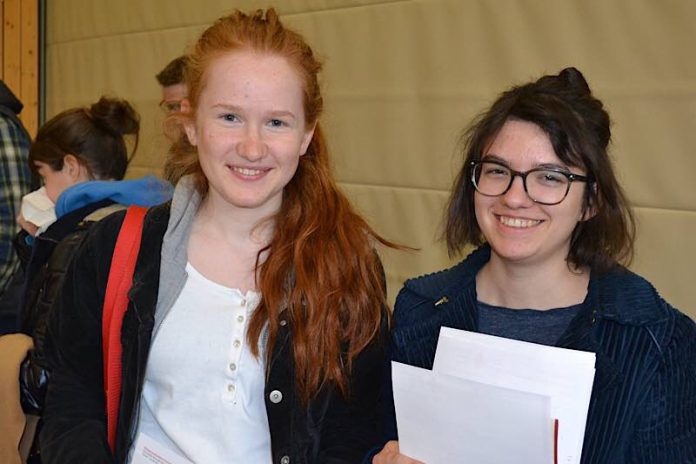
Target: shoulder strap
(115, 305)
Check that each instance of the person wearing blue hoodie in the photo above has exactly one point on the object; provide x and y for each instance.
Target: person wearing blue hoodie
(81, 156)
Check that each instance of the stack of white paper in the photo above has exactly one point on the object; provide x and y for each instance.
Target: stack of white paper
(492, 400)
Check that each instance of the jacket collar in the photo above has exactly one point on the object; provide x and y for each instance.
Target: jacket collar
(618, 295)
(184, 207)
(9, 100)
(160, 272)
(444, 285)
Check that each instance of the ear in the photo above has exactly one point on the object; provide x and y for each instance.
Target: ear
(76, 171)
(590, 209)
(189, 122)
(307, 139)
(185, 105)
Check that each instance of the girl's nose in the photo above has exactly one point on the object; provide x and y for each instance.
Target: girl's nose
(516, 196)
(251, 146)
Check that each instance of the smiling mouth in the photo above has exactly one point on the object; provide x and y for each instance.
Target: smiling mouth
(518, 223)
(247, 171)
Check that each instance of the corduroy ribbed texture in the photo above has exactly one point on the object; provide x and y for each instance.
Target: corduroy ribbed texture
(643, 406)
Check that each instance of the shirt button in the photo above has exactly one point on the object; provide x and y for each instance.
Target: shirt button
(283, 322)
(243, 303)
(240, 319)
(236, 343)
(285, 460)
(233, 367)
(230, 387)
(276, 397)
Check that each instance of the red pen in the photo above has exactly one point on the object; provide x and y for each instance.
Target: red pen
(555, 441)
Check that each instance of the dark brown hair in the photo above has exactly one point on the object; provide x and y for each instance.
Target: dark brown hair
(173, 73)
(321, 271)
(94, 135)
(579, 129)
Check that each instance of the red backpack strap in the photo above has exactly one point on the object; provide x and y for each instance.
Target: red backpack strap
(115, 305)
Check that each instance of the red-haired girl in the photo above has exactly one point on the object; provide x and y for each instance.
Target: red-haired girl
(257, 323)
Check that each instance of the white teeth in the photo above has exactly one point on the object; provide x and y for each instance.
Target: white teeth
(518, 223)
(247, 172)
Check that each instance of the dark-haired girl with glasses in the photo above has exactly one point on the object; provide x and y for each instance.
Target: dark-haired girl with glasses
(538, 196)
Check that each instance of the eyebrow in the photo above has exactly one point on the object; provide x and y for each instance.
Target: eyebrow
(498, 159)
(237, 109)
(283, 113)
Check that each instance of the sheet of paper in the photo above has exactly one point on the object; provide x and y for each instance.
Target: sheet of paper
(149, 451)
(443, 420)
(566, 376)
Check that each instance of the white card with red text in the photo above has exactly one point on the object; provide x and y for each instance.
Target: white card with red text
(150, 451)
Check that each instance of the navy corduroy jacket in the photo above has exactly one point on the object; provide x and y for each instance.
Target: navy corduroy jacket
(643, 405)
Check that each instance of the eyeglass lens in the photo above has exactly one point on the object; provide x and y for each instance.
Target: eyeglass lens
(170, 107)
(542, 185)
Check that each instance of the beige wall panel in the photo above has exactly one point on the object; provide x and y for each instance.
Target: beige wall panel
(652, 136)
(86, 19)
(411, 217)
(666, 254)
(401, 80)
(400, 142)
(79, 73)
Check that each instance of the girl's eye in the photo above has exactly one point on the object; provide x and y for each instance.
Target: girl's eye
(230, 117)
(496, 171)
(550, 178)
(276, 123)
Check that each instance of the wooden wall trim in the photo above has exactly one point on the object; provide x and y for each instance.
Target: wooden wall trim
(20, 60)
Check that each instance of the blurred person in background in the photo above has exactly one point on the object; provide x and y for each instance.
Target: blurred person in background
(15, 182)
(81, 156)
(173, 84)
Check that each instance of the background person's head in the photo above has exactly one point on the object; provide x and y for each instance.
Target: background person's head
(172, 81)
(83, 144)
(578, 127)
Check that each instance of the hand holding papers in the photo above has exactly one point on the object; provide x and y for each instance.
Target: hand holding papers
(492, 400)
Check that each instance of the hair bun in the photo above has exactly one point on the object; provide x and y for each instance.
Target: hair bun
(115, 116)
(575, 81)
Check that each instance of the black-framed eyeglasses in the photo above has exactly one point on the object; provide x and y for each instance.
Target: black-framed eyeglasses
(170, 107)
(546, 186)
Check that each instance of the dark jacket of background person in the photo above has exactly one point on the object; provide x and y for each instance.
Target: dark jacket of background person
(45, 268)
(329, 430)
(15, 182)
(643, 404)
(45, 261)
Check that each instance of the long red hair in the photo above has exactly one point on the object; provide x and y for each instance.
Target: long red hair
(321, 273)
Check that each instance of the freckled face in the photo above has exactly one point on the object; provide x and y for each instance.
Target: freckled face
(517, 228)
(250, 129)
